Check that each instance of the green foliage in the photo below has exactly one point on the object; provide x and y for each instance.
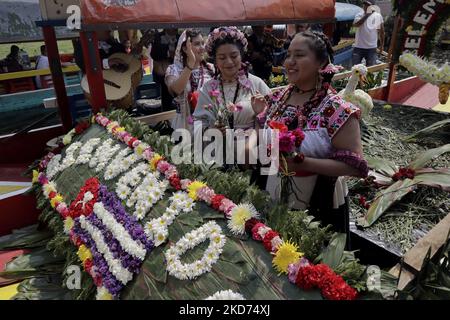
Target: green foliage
(301, 229)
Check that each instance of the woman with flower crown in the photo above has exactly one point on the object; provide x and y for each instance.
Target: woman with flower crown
(332, 144)
(225, 101)
(187, 75)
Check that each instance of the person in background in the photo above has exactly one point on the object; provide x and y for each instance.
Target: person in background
(163, 53)
(186, 76)
(12, 61)
(261, 47)
(42, 63)
(369, 29)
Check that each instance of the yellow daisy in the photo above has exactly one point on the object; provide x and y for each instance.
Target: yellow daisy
(286, 254)
(57, 199)
(154, 161)
(194, 187)
(35, 176)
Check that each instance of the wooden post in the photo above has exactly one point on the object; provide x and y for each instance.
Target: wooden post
(57, 76)
(392, 63)
(94, 70)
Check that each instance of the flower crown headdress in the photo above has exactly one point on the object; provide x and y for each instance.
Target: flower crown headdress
(223, 33)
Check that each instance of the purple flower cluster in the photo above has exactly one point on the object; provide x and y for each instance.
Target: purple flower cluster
(113, 204)
(109, 281)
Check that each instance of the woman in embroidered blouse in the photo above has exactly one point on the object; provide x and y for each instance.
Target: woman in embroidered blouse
(187, 75)
(332, 146)
(232, 84)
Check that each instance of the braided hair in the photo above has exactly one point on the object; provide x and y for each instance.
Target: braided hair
(319, 43)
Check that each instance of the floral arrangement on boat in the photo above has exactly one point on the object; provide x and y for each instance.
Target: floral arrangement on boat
(136, 221)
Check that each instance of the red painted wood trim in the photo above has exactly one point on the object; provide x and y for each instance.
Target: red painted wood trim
(94, 77)
(57, 77)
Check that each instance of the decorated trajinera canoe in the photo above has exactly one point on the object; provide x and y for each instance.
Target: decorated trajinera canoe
(138, 228)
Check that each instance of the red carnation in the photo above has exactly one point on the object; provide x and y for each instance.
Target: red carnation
(52, 194)
(335, 288)
(88, 265)
(268, 238)
(175, 182)
(250, 224)
(278, 126)
(216, 201)
(130, 143)
(308, 277)
(299, 136)
(98, 281)
(81, 127)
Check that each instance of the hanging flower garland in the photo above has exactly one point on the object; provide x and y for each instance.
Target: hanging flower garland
(176, 268)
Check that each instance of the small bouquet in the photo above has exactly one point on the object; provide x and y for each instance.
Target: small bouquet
(223, 114)
(289, 142)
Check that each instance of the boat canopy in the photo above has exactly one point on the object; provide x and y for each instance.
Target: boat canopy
(346, 11)
(119, 14)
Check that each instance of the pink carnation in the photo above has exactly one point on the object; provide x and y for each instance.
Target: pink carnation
(61, 207)
(286, 142)
(214, 93)
(255, 235)
(293, 269)
(205, 194)
(226, 206)
(148, 153)
(171, 171)
(163, 166)
(185, 183)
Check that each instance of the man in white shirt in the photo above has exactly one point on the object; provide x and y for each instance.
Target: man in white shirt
(369, 30)
(42, 63)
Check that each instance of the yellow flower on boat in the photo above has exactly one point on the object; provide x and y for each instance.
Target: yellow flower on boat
(141, 148)
(103, 294)
(68, 224)
(120, 129)
(194, 187)
(154, 161)
(84, 253)
(57, 199)
(49, 188)
(35, 176)
(239, 216)
(286, 254)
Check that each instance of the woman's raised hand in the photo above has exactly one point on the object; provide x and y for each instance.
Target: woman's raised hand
(191, 60)
(258, 103)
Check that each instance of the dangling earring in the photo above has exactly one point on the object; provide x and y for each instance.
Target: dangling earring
(318, 81)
